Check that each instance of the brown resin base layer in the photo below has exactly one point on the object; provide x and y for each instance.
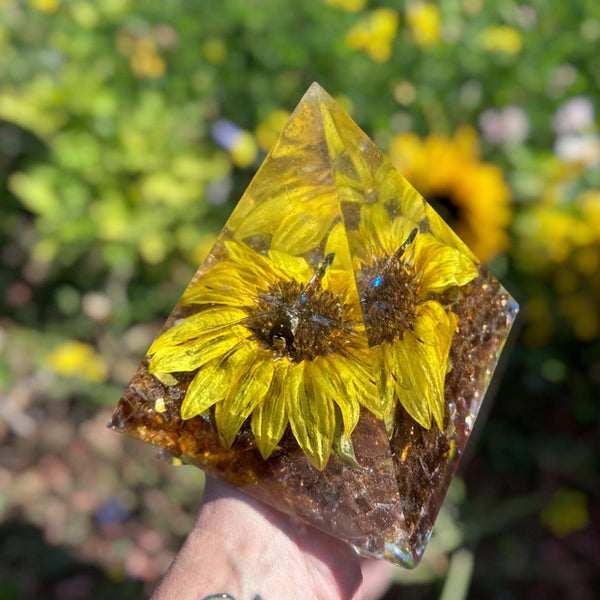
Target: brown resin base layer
(356, 504)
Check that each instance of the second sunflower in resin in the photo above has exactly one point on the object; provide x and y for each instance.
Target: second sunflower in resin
(401, 276)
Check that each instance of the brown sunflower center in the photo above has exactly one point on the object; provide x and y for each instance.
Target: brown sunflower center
(389, 300)
(299, 325)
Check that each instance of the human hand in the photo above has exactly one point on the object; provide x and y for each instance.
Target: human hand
(240, 549)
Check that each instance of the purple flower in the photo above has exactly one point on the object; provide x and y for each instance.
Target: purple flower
(111, 512)
(508, 126)
(225, 133)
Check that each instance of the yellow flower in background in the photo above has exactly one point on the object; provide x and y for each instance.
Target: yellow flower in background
(566, 513)
(424, 23)
(590, 209)
(558, 240)
(46, 6)
(400, 272)
(374, 34)
(275, 341)
(469, 194)
(559, 230)
(144, 58)
(244, 151)
(554, 232)
(76, 359)
(145, 61)
(268, 131)
(351, 6)
(214, 50)
(239, 142)
(503, 39)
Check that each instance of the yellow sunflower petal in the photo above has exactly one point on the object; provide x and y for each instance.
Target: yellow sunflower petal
(349, 190)
(435, 327)
(440, 266)
(422, 357)
(311, 417)
(209, 322)
(358, 377)
(337, 245)
(264, 217)
(344, 448)
(442, 232)
(254, 267)
(269, 419)
(412, 204)
(386, 370)
(366, 241)
(212, 383)
(356, 169)
(435, 330)
(323, 374)
(336, 278)
(299, 235)
(205, 390)
(189, 357)
(247, 392)
(362, 246)
(400, 231)
(413, 387)
(295, 267)
(423, 377)
(382, 227)
(222, 284)
(335, 144)
(166, 378)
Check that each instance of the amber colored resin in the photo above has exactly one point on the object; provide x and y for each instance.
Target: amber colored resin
(331, 354)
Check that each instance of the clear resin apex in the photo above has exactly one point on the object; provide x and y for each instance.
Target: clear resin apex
(331, 353)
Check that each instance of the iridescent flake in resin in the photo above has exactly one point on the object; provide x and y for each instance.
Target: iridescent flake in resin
(331, 353)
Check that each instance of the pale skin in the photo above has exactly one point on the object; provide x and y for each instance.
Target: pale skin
(240, 549)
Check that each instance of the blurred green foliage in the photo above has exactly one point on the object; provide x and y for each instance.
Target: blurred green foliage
(114, 180)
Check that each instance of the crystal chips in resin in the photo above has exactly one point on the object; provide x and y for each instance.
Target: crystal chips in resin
(331, 353)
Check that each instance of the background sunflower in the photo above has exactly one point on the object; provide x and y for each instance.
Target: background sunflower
(471, 195)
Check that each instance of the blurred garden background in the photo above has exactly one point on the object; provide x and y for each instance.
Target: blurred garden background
(128, 131)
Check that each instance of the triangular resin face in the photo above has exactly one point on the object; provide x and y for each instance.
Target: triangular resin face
(331, 353)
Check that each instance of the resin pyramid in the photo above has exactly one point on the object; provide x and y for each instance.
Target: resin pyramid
(331, 353)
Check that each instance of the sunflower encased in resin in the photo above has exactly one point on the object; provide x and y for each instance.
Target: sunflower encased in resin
(278, 342)
(401, 276)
